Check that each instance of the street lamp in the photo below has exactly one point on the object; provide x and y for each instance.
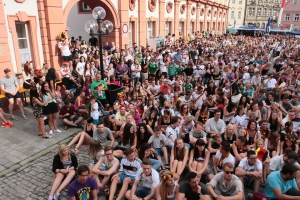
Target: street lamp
(99, 28)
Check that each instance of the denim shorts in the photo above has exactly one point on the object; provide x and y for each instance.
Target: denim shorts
(159, 152)
(123, 176)
(142, 192)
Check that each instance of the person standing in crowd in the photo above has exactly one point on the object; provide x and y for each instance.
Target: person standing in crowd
(98, 88)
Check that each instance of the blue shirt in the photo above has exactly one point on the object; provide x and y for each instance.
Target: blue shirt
(274, 181)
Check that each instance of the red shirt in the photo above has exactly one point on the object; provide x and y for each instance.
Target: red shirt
(164, 89)
(64, 110)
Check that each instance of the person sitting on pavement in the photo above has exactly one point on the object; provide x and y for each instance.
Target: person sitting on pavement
(168, 188)
(102, 133)
(5, 123)
(199, 159)
(226, 185)
(79, 104)
(84, 187)
(282, 184)
(10, 86)
(223, 155)
(179, 157)
(150, 180)
(69, 116)
(197, 133)
(106, 167)
(239, 149)
(64, 167)
(173, 131)
(193, 189)
(215, 126)
(277, 162)
(129, 167)
(250, 170)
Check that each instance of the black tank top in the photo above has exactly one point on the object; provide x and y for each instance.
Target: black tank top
(90, 132)
(163, 123)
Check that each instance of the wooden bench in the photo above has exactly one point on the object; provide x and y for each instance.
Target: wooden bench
(23, 93)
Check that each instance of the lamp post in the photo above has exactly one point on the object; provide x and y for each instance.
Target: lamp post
(99, 28)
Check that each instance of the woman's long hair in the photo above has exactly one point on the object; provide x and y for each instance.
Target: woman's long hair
(164, 188)
(127, 136)
(43, 91)
(143, 148)
(198, 154)
(95, 147)
(291, 138)
(139, 132)
(273, 139)
(225, 134)
(33, 93)
(179, 155)
(60, 150)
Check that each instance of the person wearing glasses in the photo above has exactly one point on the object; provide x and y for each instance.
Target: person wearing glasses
(226, 185)
(250, 170)
(106, 167)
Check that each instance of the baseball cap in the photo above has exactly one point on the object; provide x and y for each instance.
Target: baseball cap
(231, 78)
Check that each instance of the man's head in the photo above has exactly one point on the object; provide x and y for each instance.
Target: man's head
(288, 172)
(101, 127)
(252, 157)
(290, 156)
(67, 103)
(228, 171)
(147, 166)
(225, 147)
(192, 180)
(175, 121)
(122, 110)
(129, 153)
(157, 131)
(7, 72)
(83, 172)
(108, 152)
(217, 114)
(98, 76)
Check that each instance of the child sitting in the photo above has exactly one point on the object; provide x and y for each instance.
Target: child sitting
(94, 110)
(158, 142)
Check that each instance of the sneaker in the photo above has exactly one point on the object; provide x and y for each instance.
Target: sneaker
(167, 166)
(9, 123)
(4, 125)
(50, 132)
(58, 131)
(50, 198)
(13, 118)
(66, 127)
(56, 196)
(24, 117)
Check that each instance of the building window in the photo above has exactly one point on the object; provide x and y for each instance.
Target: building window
(258, 24)
(253, 11)
(287, 17)
(130, 33)
(258, 11)
(270, 13)
(240, 1)
(296, 17)
(23, 41)
(265, 12)
(240, 14)
(263, 25)
(295, 2)
(271, 1)
(260, 1)
(276, 1)
(167, 28)
(181, 27)
(233, 1)
(232, 14)
(192, 27)
(266, 1)
(85, 7)
(150, 29)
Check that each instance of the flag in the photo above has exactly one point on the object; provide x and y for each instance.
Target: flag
(268, 27)
(280, 12)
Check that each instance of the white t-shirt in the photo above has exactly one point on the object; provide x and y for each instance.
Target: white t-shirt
(95, 113)
(246, 78)
(245, 165)
(230, 158)
(135, 74)
(148, 181)
(80, 67)
(271, 83)
(66, 51)
(130, 168)
(198, 73)
(171, 131)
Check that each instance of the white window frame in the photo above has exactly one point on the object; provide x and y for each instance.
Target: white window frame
(232, 14)
(167, 28)
(287, 17)
(85, 7)
(295, 2)
(191, 27)
(181, 27)
(150, 29)
(239, 14)
(258, 11)
(250, 12)
(25, 54)
(264, 11)
(270, 13)
(233, 1)
(263, 25)
(296, 17)
(240, 1)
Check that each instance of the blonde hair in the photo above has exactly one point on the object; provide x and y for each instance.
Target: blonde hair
(225, 134)
(258, 140)
(95, 147)
(163, 188)
(61, 148)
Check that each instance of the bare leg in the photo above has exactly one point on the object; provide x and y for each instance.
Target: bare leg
(199, 168)
(118, 153)
(105, 180)
(10, 106)
(41, 126)
(19, 102)
(2, 117)
(173, 165)
(162, 164)
(54, 121)
(165, 152)
(81, 137)
(67, 180)
(113, 187)
(78, 120)
(50, 121)
(58, 178)
(124, 188)
(96, 178)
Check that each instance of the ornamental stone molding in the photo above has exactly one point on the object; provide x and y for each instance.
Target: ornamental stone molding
(182, 8)
(19, 1)
(169, 7)
(132, 4)
(193, 10)
(152, 5)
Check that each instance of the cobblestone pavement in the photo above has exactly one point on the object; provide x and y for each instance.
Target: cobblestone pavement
(34, 180)
(21, 142)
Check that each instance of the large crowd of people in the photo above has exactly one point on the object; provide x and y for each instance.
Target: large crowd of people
(202, 117)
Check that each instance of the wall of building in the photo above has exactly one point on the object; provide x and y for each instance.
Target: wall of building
(76, 23)
(291, 9)
(236, 7)
(12, 8)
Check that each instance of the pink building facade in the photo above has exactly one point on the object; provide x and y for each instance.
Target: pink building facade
(291, 13)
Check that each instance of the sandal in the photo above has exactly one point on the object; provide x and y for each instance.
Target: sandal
(40, 134)
(75, 150)
(46, 137)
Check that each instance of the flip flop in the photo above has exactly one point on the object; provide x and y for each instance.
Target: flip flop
(40, 134)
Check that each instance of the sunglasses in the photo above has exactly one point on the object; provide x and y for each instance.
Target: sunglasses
(229, 172)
